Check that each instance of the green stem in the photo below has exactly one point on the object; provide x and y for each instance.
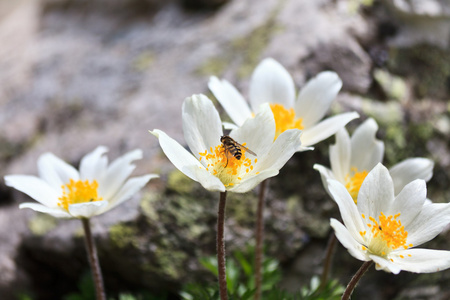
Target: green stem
(93, 260)
(327, 263)
(259, 241)
(354, 281)
(221, 247)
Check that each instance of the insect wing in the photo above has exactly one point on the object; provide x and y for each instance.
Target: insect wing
(246, 149)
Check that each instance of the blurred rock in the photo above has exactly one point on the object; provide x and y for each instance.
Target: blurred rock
(420, 22)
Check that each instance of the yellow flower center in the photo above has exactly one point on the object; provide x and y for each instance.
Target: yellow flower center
(284, 119)
(353, 182)
(78, 192)
(387, 234)
(225, 166)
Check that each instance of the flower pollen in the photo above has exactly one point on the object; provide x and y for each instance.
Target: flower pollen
(284, 119)
(225, 166)
(388, 234)
(353, 183)
(78, 192)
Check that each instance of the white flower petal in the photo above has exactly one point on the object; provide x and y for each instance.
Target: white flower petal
(116, 174)
(410, 169)
(281, 151)
(230, 99)
(34, 187)
(348, 241)
(340, 155)
(87, 209)
(376, 194)
(349, 212)
(409, 201)
(178, 156)
(385, 264)
(55, 171)
(326, 128)
(229, 126)
(55, 212)
(316, 96)
(421, 260)
(206, 179)
(250, 182)
(271, 83)
(131, 187)
(367, 151)
(303, 149)
(325, 175)
(202, 126)
(93, 165)
(257, 133)
(432, 219)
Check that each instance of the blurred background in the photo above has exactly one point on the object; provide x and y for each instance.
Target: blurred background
(75, 74)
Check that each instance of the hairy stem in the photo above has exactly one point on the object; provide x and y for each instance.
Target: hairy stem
(259, 234)
(355, 279)
(221, 246)
(93, 260)
(328, 258)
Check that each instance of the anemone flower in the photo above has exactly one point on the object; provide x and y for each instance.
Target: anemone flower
(64, 192)
(353, 157)
(211, 164)
(385, 228)
(271, 83)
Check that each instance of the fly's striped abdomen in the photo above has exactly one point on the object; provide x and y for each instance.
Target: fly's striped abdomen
(233, 148)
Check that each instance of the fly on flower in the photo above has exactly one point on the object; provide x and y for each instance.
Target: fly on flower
(232, 148)
(218, 162)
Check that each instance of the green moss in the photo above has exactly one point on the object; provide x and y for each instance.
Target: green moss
(354, 5)
(123, 235)
(180, 183)
(171, 262)
(428, 65)
(393, 86)
(148, 203)
(185, 212)
(246, 49)
(292, 204)
(213, 66)
(42, 223)
(252, 46)
(144, 61)
(422, 131)
(387, 113)
(242, 207)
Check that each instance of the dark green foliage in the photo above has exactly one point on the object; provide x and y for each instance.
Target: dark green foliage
(87, 292)
(86, 289)
(241, 285)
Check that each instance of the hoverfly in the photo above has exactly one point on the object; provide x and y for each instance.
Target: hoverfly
(233, 148)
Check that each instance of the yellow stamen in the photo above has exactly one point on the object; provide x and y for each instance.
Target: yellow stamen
(225, 166)
(388, 234)
(78, 192)
(353, 183)
(284, 119)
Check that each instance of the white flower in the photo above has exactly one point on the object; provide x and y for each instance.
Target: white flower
(271, 83)
(214, 168)
(352, 158)
(64, 192)
(384, 228)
